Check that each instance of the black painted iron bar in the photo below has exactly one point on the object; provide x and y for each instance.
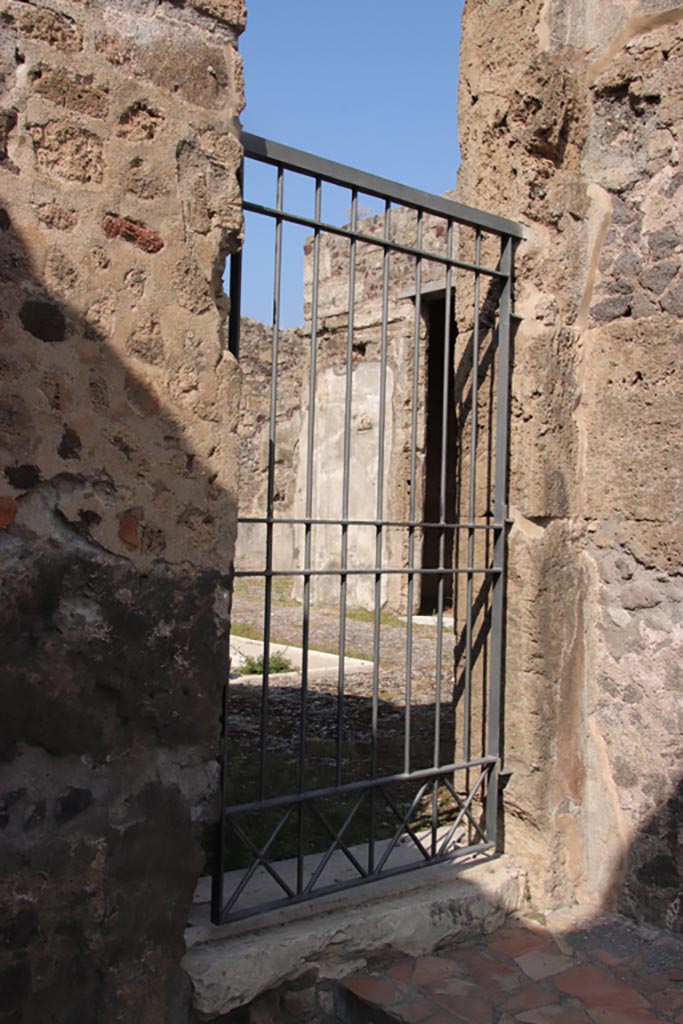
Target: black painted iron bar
(445, 422)
(461, 804)
(235, 319)
(464, 808)
(333, 229)
(268, 151)
(310, 453)
(469, 598)
(370, 571)
(337, 844)
(413, 494)
(259, 861)
(270, 494)
(405, 523)
(499, 552)
(477, 849)
(443, 771)
(381, 432)
(403, 826)
(217, 894)
(348, 404)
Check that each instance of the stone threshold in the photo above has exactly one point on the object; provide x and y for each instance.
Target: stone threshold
(336, 935)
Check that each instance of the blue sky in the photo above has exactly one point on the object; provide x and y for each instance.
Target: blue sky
(370, 83)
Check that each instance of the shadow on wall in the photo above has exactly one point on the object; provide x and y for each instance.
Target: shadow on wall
(114, 653)
(648, 884)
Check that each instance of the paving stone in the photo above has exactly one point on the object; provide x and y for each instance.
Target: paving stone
(515, 942)
(412, 1012)
(567, 1013)
(619, 975)
(372, 989)
(606, 1015)
(529, 997)
(463, 998)
(543, 963)
(496, 978)
(597, 986)
(402, 972)
(645, 983)
(429, 969)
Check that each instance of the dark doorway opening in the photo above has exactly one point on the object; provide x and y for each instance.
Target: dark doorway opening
(440, 456)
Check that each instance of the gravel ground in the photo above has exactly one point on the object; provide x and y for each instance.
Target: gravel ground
(286, 628)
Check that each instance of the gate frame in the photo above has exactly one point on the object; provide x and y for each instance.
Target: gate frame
(509, 232)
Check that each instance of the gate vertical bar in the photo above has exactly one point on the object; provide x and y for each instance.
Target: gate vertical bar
(217, 874)
(471, 510)
(499, 547)
(236, 286)
(379, 514)
(444, 468)
(305, 639)
(272, 439)
(343, 579)
(413, 494)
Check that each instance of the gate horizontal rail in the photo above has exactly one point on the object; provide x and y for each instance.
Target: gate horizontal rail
(374, 475)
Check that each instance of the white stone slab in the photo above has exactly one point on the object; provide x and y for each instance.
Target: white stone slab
(320, 663)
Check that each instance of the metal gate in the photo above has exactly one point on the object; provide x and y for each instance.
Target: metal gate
(371, 553)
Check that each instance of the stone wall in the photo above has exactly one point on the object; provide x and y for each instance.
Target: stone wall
(118, 153)
(571, 118)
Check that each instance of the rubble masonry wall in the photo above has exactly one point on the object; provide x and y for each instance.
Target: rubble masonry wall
(118, 156)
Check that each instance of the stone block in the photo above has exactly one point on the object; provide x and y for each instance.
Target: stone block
(633, 380)
(71, 90)
(68, 151)
(51, 27)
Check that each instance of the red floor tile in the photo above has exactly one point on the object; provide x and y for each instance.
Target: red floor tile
(514, 942)
(596, 986)
(429, 969)
(520, 975)
(402, 972)
(543, 963)
(462, 998)
(494, 977)
(566, 1013)
(372, 989)
(411, 1012)
(605, 1015)
(529, 997)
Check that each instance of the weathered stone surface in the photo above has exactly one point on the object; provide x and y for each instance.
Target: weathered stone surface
(44, 25)
(68, 151)
(566, 118)
(117, 504)
(74, 91)
(230, 970)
